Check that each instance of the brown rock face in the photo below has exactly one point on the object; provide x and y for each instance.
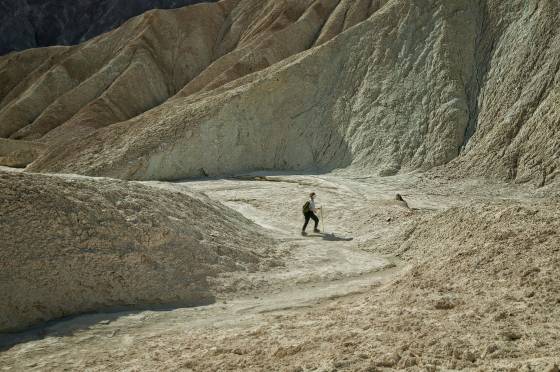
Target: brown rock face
(18, 154)
(243, 85)
(75, 245)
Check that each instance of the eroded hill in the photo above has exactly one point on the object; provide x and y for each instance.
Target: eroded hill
(244, 85)
(39, 23)
(72, 245)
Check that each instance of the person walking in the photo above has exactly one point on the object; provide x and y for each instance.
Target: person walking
(309, 210)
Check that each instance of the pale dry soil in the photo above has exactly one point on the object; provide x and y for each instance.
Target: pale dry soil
(333, 301)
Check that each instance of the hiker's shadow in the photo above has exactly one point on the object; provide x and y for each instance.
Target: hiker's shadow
(333, 237)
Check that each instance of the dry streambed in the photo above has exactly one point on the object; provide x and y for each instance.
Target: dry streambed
(464, 279)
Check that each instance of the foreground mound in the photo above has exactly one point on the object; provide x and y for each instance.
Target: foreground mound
(77, 245)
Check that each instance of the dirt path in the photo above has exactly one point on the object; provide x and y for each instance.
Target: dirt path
(361, 220)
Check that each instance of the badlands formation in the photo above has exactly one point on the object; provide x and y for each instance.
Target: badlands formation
(156, 223)
(40, 23)
(293, 85)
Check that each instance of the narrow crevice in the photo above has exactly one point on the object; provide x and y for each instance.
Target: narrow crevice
(224, 31)
(317, 35)
(320, 32)
(483, 54)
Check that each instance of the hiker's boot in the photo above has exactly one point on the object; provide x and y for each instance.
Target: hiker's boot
(316, 230)
(303, 233)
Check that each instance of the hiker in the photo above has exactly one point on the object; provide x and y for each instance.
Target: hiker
(309, 211)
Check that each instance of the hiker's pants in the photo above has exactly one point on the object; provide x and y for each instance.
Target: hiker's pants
(310, 215)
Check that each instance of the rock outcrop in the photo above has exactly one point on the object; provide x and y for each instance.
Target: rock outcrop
(385, 86)
(19, 154)
(73, 245)
(39, 23)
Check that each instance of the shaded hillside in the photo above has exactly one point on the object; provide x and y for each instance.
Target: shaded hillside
(385, 86)
(38, 23)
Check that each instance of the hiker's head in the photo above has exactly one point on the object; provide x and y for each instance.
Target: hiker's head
(312, 195)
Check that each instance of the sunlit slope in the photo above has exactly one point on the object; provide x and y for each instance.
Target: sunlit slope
(388, 86)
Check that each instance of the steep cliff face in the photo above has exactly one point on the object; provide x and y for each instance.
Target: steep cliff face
(36, 23)
(386, 86)
(514, 115)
